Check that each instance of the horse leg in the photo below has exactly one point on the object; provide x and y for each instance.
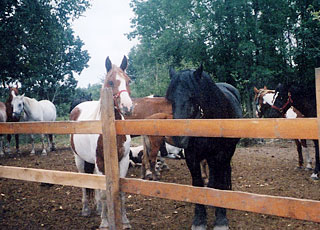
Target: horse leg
(204, 171)
(317, 166)
(309, 159)
(51, 141)
(145, 166)
(1, 146)
(44, 151)
(220, 178)
(85, 203)
(156, 142)
(17, 143)
(124, 166)
(33, 151)
(300, 156)
(199, 221)
(8, 150)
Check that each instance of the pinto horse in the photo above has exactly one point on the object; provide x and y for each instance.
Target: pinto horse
(3, 118)
(304, 101)
(88, 148)
(264, 101)
(194, 95)
(13, 91)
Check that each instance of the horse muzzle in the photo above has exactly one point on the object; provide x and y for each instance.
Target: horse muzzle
(16, 115)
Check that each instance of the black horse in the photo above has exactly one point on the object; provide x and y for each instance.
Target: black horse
(303, 100)
(193, 94)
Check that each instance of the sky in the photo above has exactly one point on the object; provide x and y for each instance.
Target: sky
(102, 28)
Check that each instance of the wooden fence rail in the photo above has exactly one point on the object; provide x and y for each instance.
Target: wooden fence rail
(251, 128)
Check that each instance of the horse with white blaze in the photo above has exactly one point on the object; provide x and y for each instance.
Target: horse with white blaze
(88, 148)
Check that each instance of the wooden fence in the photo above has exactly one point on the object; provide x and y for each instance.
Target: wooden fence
(306, 128)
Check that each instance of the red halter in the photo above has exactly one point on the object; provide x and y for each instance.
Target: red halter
(116, 96)
(289, 101)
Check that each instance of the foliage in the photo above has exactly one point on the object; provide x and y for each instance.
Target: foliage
(244, 43)
(39, 49)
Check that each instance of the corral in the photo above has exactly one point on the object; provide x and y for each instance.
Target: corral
(277, 128)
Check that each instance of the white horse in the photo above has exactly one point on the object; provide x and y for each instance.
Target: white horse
(264, 99)
(33, 110)
(88, 148)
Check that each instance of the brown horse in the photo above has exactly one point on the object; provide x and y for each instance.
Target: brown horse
(151, 108)
(264, 100)
(13, 91)
(3, 118)
(88, 148)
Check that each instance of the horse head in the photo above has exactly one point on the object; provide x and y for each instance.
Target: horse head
(118, 80)
(184, 93)
(281, 102)
(17, 105)
(263, 99)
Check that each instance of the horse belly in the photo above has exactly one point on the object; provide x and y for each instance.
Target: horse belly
(48, 110)
(85, 146)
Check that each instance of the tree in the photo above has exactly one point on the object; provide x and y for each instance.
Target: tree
(38, 47)
(244, 43)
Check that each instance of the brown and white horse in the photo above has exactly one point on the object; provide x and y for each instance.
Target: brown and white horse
(264, 99)
(88, 148)
(3, 118)
(13, 91)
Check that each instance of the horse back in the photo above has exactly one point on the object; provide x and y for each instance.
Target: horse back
(49, 110)
(145, 107)
(233, 97)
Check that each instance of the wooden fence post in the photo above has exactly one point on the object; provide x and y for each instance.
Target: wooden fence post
(111, 163)
(317, 72)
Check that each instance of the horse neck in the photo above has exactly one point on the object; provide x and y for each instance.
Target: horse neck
(215, 103)
(27, 107)
(306, 106)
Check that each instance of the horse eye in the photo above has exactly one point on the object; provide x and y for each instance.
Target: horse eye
(110, 83)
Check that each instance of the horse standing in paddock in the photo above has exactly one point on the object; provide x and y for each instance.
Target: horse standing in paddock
(194, 95)
(13, 91)
(88, 148)
(151, 108)
(264, 101)
(32, 110)
(305, 102)
(3, 118)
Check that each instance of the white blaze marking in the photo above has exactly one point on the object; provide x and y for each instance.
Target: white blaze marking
(125, 100)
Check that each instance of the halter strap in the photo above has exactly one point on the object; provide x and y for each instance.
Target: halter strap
(289, 101)
(118, 94)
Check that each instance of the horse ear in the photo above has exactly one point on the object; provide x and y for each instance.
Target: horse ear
(198, 72)
(108, 64)
(255, 90)
(124, 63)
(172, 72)
(265, 87)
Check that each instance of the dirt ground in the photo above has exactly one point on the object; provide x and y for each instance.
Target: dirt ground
(268, 168)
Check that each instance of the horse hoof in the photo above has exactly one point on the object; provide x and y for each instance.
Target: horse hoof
(222, 227)
(126, 226)
(314, 176)
(200, 227)
(308, 169)
(85, 212)
(44, 153)
(2, 154)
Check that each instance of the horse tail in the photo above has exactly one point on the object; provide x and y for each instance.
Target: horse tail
(89, 168)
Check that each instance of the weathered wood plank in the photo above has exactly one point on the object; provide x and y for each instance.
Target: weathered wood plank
(271, 205)
(58, 127)
(300, 128)
(279, 206)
